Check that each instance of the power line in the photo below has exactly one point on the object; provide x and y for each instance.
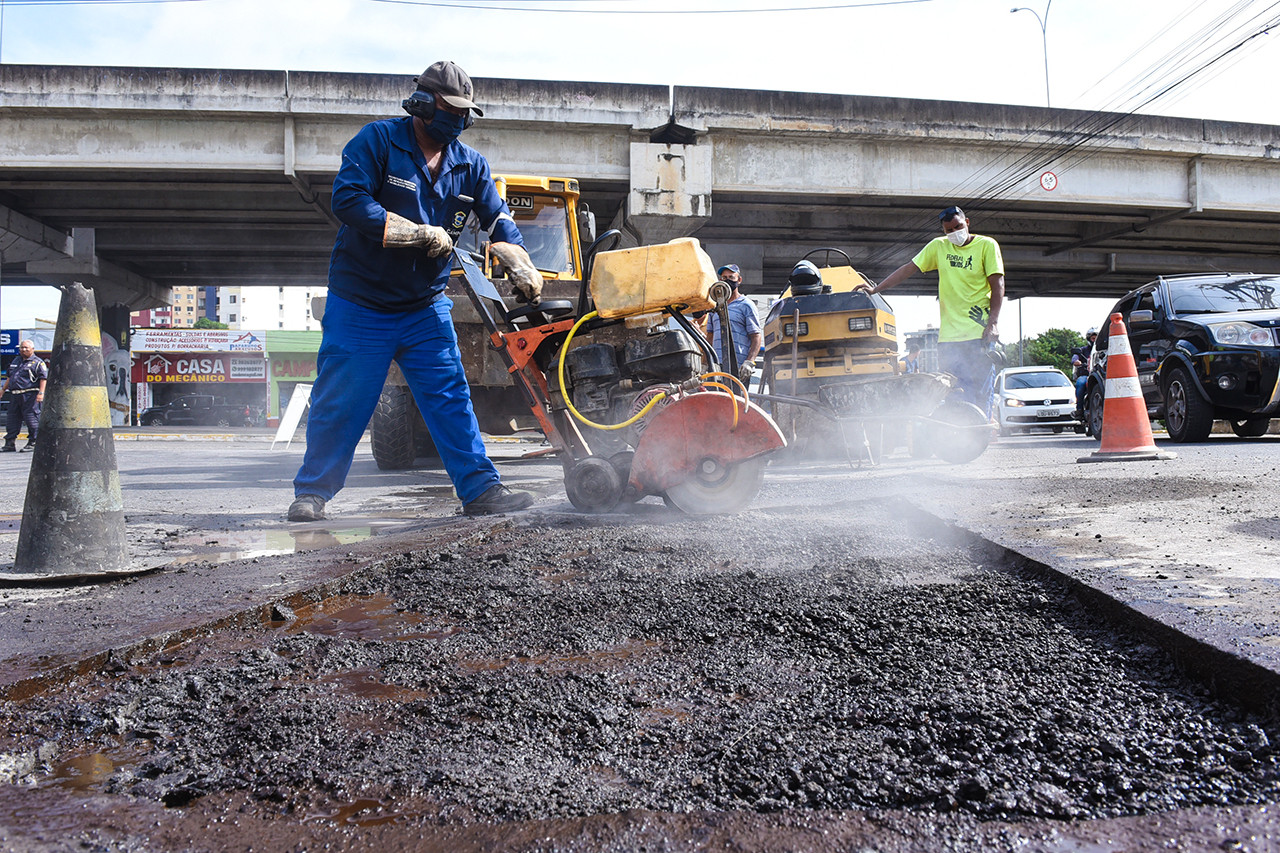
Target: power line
(544, 8)
(4, 3)
(1073, 145)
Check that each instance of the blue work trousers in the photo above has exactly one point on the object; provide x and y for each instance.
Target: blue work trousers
(24, 408)
(355, 352)
(968, 362)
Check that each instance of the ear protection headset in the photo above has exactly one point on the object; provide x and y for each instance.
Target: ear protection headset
(423, 105)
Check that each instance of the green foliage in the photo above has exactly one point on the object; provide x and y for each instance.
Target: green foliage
(1012, 352)
(206, 323)
(1053, 347)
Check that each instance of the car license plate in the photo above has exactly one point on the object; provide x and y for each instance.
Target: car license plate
(1047, 413)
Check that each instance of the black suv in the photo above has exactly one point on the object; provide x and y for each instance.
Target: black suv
(1207, 347)
(198, 410)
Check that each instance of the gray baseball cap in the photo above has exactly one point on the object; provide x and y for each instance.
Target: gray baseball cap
(451, 83)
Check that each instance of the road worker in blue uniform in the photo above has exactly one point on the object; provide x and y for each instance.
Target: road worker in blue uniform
(403, 192)
(25, 386)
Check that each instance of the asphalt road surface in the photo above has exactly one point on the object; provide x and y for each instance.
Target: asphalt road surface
(915, 656)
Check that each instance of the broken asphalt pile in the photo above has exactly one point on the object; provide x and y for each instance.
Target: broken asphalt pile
(555, 666)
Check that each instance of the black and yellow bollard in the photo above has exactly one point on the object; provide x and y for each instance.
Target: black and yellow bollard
(73, 518)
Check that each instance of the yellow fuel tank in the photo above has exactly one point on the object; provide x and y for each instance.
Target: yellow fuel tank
(648, 278)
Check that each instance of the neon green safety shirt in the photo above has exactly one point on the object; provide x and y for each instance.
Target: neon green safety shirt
(964, 294)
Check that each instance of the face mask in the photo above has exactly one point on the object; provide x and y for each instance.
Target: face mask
(959, 236)
(444, 126)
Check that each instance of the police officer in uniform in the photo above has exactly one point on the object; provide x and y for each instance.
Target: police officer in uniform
(25, 386)
(403, 192)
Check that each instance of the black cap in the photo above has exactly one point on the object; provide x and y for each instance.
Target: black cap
(950, 212)
(451, 83)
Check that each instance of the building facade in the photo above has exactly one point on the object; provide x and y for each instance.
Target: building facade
(189, 305)
(268, 307)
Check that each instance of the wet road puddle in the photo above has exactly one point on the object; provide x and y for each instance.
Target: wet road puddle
(362, 812)
(86, 772)
(366, 684)
(225, 546)
(375, 618)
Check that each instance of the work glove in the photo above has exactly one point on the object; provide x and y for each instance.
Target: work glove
(401, 233)
(521, 272)
(745, 370)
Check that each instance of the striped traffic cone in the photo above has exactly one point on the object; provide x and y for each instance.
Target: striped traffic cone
(1126, 429)
(73, 518)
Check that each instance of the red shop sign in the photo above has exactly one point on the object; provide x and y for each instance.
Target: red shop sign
(198, 368)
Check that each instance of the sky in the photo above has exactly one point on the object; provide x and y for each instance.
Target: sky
(1101, 54)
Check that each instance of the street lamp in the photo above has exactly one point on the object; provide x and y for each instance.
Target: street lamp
(1044, 39)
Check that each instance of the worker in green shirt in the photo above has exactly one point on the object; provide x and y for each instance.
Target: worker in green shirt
(970, 293)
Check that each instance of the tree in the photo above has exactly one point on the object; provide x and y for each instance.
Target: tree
(1053, 347)
(206, 323)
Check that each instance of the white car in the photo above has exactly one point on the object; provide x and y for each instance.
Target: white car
(1040, 396)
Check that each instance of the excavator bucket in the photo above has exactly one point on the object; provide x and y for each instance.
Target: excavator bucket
(705, 453)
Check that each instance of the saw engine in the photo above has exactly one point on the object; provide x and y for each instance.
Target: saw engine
(610, 383)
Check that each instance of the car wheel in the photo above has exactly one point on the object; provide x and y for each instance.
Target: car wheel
(1097, 399)
(1251, 427)
(223, 422)
(1187, 416)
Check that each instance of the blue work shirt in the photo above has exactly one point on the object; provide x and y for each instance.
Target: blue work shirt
(743, 321)
(25, 373)
(383, 169)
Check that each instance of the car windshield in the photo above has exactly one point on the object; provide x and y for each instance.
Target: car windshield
(1257, 293)
(1039, 379)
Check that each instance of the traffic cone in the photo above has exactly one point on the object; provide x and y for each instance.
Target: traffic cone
(1126, 429)
(73, 518)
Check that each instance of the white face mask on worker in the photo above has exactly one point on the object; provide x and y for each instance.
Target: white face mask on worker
(960, 236)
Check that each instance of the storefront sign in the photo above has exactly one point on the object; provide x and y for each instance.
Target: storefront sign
(198, 340)
(10, 338)
(206, 368)
(303, 368)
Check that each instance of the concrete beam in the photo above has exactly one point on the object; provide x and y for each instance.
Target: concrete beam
(25, 239)
(110, 283)
(986, 125)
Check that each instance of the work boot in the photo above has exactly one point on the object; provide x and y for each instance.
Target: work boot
(499, 499)
(307, 508)
(8, 448)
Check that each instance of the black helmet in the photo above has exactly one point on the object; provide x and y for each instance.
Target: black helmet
(805, 279)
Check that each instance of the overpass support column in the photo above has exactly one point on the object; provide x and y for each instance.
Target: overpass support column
(670, 190)
(113, 320)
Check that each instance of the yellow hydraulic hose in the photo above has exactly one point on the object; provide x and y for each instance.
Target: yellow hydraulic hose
(564, 350)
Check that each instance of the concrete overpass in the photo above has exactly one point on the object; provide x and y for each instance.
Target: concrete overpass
(135, 180)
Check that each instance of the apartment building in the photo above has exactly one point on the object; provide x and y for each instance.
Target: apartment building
(189, 305)
(268, 308)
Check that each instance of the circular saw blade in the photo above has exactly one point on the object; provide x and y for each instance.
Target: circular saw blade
(731, 491)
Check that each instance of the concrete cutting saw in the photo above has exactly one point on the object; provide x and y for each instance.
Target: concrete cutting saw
(621, 386)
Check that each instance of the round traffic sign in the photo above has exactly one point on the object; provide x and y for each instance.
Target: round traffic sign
(1049, 181)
